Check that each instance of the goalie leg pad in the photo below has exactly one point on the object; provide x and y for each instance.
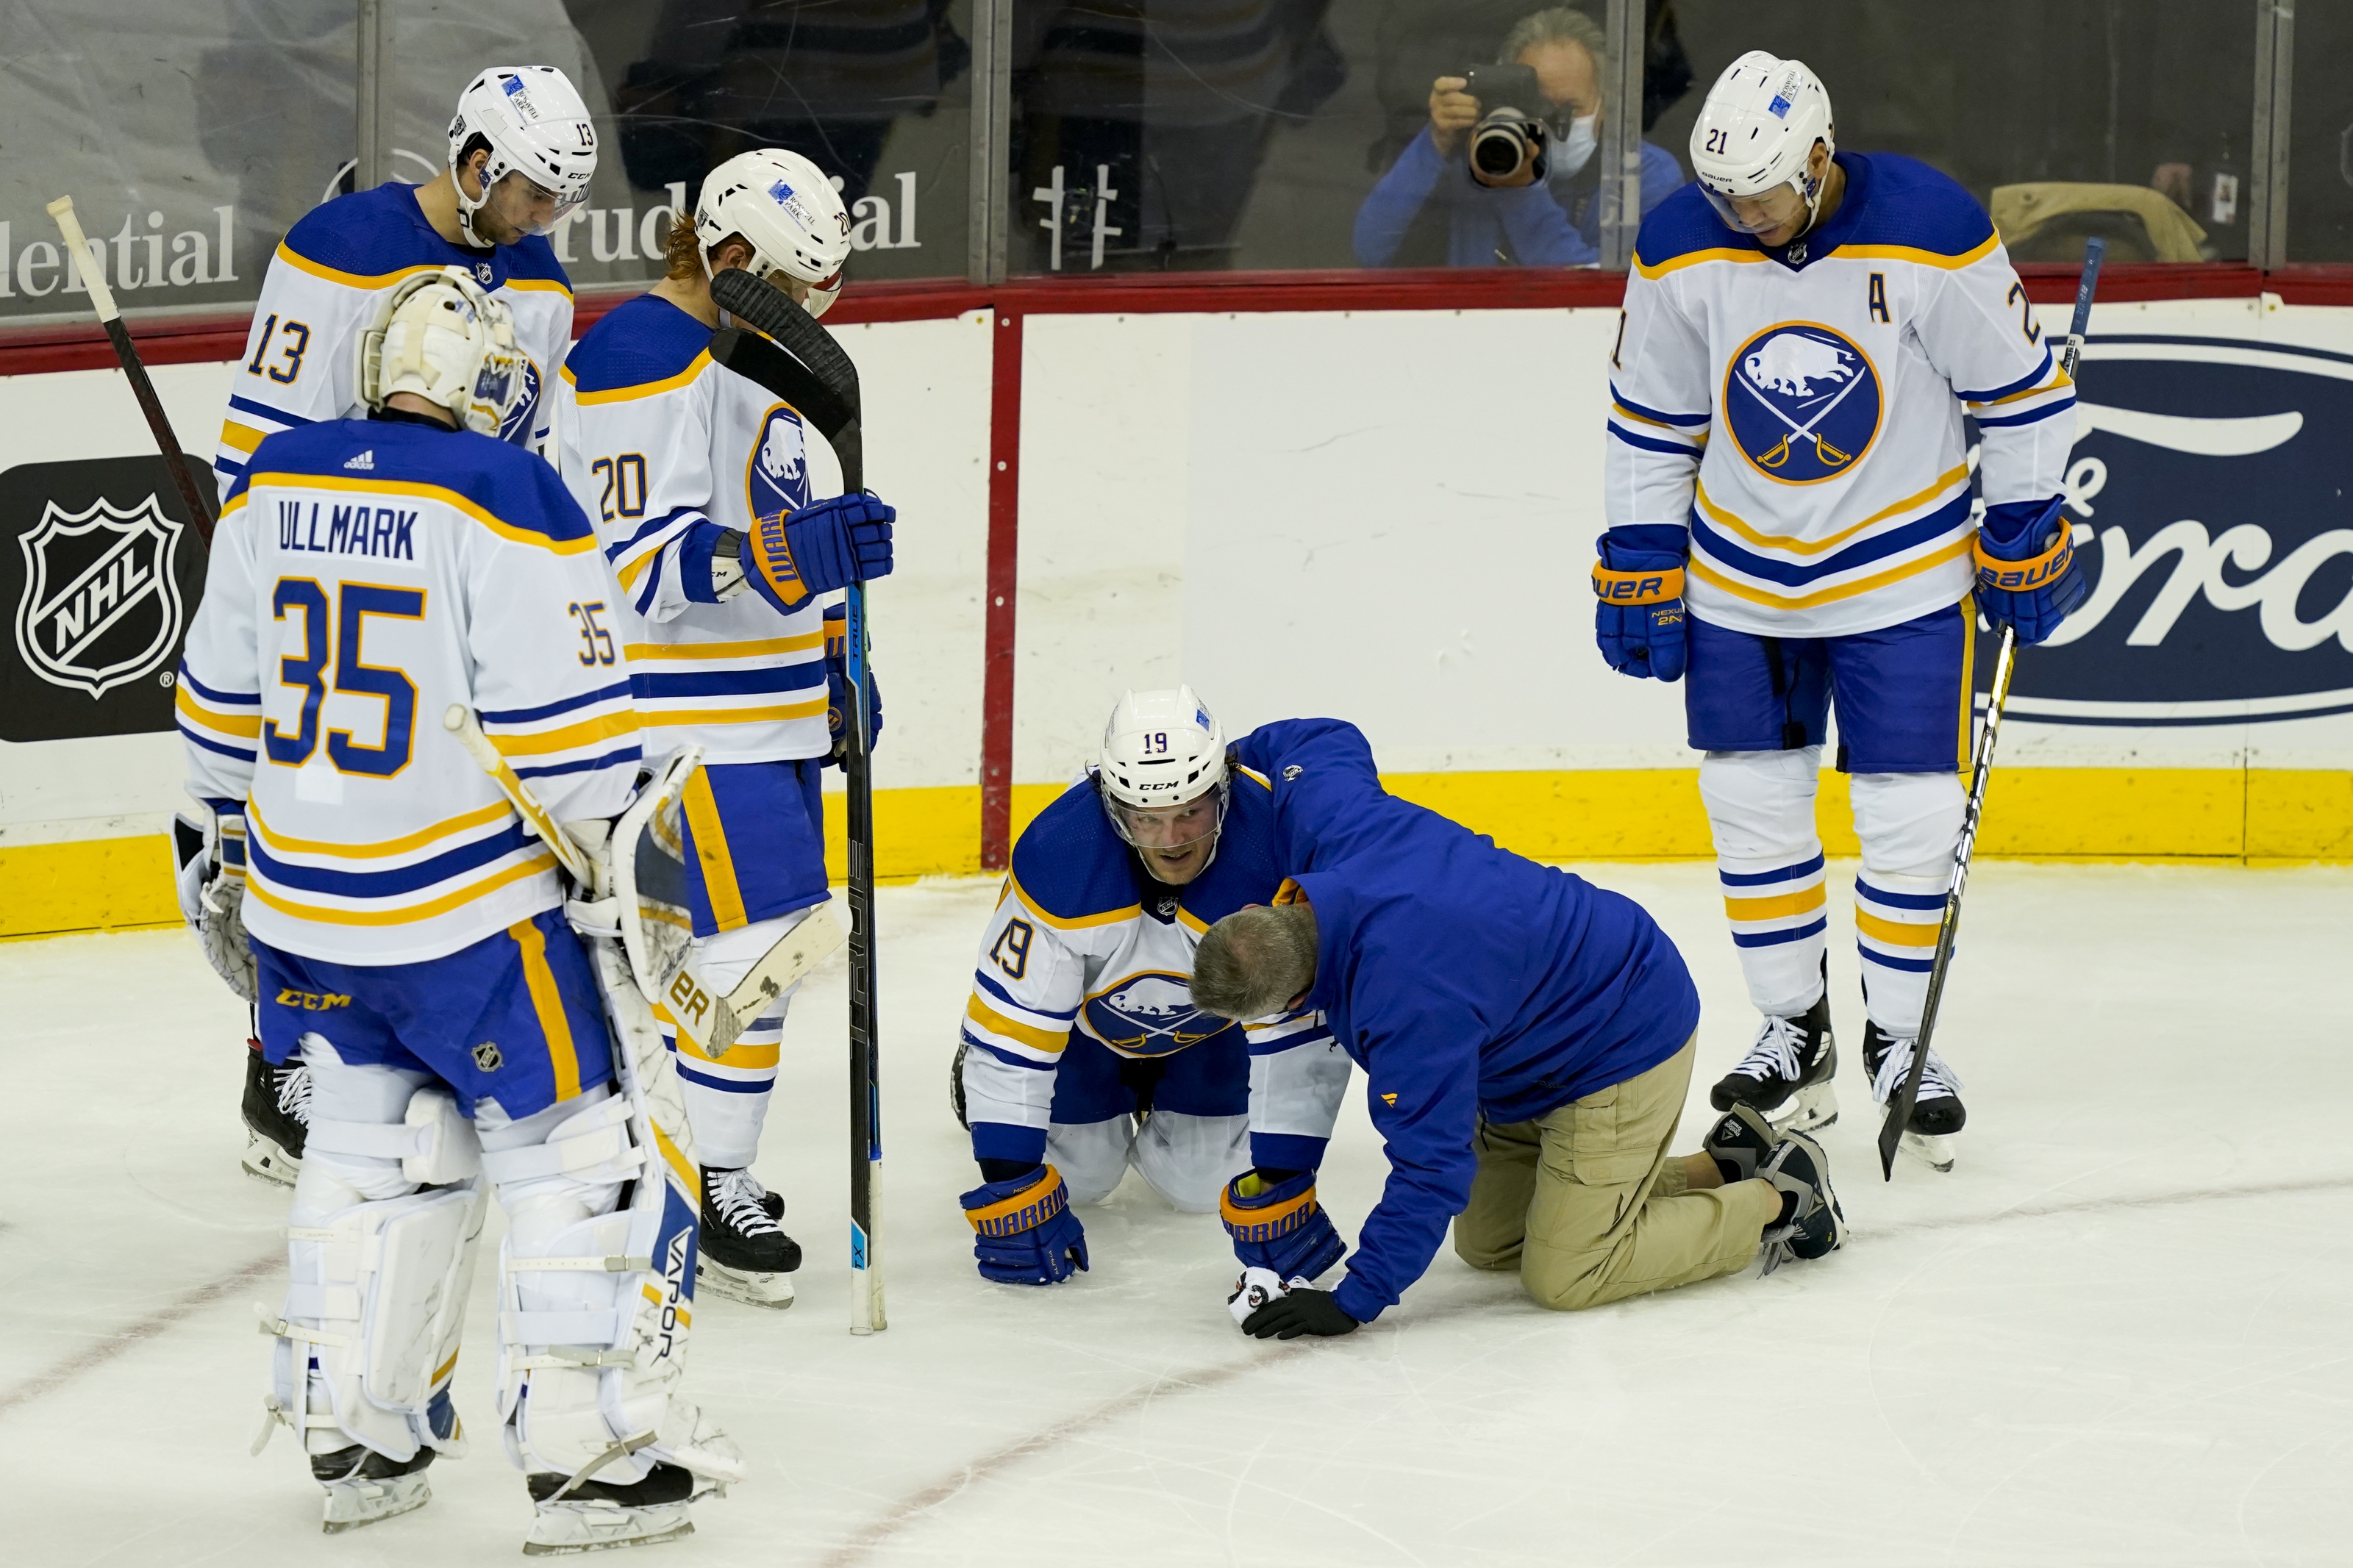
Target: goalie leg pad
(378, 1272)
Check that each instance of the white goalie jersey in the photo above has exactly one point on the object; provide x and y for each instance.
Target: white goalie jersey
(1800, 415)
(324, 286)
(1072, 953)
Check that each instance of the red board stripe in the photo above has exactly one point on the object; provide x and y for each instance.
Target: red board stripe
(1004, 572)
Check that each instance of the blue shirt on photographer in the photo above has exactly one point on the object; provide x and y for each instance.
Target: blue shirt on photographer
(1555, 222)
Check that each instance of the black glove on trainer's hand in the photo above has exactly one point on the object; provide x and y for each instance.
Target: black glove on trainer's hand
(1300, 1312)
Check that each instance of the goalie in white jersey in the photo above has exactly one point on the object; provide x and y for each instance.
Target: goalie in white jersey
(409, 940)
(1804, 331)
(697, 479)
(522, 151)
(1083, 1054)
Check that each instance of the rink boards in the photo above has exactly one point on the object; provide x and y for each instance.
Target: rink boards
(1386, 516)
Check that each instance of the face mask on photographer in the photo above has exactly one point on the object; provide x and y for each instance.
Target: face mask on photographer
(1574, 146)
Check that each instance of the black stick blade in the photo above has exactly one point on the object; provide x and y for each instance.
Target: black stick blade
(747, 299)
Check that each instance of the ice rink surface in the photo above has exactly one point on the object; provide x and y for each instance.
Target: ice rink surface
(2116, 1333)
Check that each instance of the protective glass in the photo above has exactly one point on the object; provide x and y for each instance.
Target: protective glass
(529, 205)
(1767, 210)
(1168, 826)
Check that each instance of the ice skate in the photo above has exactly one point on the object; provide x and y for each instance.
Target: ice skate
(1817, 1226)
(1788, 1069)
(364, 1486)
(590, 1516)
(277, 1108)
(1937, 1114)
(744, 1252)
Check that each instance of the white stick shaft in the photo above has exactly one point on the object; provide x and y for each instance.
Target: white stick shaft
(78, 248)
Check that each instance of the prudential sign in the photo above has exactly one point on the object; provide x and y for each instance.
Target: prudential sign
(2209, 483)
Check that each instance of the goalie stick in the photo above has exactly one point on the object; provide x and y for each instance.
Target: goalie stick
(101, 299)
(1892, 1133)
(661, 968)
(817, 379)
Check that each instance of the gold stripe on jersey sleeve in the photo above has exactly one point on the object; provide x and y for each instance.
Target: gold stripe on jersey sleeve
(1707, 573)
(539, 743)
(241, 438)
(2061, 381)
(423, 491)
(536, 285)
(655, 718)
(1945, 481)
(695, 367)
(1030, 1034)
(234, 503)
(247, 725)
(1692, 258)
(481, 817)
(638, 652)
(1919, 258)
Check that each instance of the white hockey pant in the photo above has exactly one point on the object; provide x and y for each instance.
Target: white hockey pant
(727, 1097)
(1760, 806)
(1187, 1160)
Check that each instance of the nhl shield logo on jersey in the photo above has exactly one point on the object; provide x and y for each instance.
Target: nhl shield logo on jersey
(99, 607)
(488, 1057)
(1802, 401)
(1150, 1015)
(775, 477)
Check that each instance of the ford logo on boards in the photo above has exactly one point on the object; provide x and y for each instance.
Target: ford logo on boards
(2208, 485)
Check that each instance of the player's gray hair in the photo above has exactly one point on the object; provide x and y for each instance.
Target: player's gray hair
(1559, 25)
(1252, 962)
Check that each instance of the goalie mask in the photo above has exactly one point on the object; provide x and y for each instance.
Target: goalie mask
(1161, 771)
(1755, 139)
(439, 335)
(543, 145)
(787, 211)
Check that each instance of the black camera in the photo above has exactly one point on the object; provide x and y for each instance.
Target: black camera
(1510, 135)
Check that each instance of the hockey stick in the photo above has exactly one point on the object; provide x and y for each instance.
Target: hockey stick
(1899, 1110)
(714, 1022)
(819, 380)
(108, 317)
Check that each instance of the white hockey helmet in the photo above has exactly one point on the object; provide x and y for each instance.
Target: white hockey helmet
(1756, 133)
(787, 211)
(538, 128)
(1161, 771)
(439, 335)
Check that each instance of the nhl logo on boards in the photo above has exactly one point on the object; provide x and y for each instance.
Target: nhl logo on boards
(487, 1057)
(99, 607)
(1802, 401)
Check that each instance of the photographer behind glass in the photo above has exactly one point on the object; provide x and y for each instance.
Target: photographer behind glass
(1509, 155)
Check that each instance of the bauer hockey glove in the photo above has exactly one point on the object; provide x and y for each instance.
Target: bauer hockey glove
(836, 688)
(826, 545)
(1023, 1230)
(1640, 619)
(1278, 1225)
(2027, 576)
(211, 885)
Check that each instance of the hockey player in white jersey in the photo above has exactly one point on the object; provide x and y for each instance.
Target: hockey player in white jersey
(698, 480)
(407, 940)
(1083, 1054)
(1804, 332)
(522, 151)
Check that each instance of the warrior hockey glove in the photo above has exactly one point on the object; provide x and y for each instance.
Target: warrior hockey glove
(826, 545)
(1639, 621)
(1298, 1312)
(2027, 576)
(1023, 1230)
(836, 688)
(1280, 1225)
(211, 884)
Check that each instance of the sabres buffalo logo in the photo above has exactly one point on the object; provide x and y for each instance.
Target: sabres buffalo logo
(1802, 401)
(775, 476)
(1150, 1015)
(517, 424)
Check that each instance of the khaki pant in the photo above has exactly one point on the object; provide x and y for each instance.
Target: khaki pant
(1585, 1205)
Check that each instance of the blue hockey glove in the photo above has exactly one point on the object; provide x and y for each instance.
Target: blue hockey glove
(2027, 576)
(826, 545)
(836, 688)
(1023, 1230)
(1640, 619)
(1278, 1225)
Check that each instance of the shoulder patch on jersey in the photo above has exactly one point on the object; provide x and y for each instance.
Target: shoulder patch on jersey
(1910, 212)
(1684, 230)
(641, 346)
(365, 239)
(508, 491)
(1069, 865)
